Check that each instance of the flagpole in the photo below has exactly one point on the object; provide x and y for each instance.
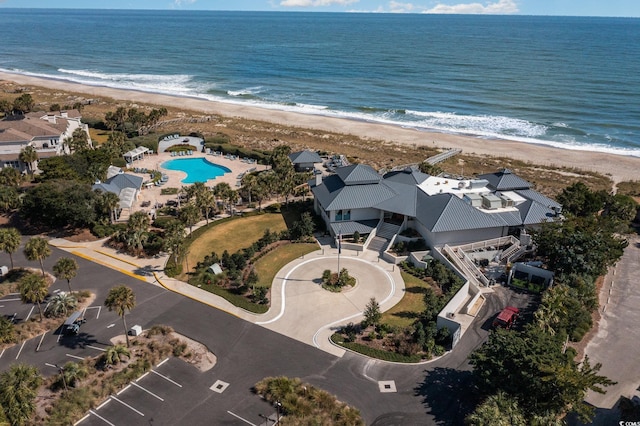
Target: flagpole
(339, 248)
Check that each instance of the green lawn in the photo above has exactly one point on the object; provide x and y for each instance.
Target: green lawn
(232, 236)
(412, 303)
(268, 266)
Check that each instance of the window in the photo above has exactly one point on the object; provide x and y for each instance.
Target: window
(343, 215)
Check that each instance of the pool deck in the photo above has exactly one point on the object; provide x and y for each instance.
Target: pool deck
(154, 162)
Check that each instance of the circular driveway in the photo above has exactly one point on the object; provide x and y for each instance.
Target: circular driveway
(308, 312)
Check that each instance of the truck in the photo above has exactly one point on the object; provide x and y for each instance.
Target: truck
(506, 317)
(72, 325)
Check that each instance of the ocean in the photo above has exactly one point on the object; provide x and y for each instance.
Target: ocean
(569, 82)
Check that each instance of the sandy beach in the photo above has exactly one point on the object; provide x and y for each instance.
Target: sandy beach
(618, 168)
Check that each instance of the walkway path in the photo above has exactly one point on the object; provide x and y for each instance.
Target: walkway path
(300, 308)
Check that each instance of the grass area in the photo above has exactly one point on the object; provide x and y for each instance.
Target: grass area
(269, 265)
(232, 236)
(405, 313)
(98, 136)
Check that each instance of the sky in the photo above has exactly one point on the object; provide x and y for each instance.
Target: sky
(625, 8)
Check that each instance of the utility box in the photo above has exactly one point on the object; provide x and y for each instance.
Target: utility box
(136, 330)
(3, 271)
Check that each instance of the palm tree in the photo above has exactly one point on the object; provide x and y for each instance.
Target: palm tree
(29, 155)
(136, 233)
(173, 241)
(498, 410)
(7, 330)
(189, 215)
(114, 354)
(249, 183)
(111, 202)
(553, 309)
(61, 304)
(66, 268)
(10, 240)
(37, 248)
(33, 289)
(18, 388)
(121, 299)
(72, 372)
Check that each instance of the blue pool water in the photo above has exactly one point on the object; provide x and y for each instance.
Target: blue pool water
(197, 169)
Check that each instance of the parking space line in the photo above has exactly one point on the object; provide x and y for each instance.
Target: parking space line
(127, 405)
(99, 308)
(162, 362)
(123, 389)
(73, 356)
(40, 343)
(23, 343)
(97, 348)
(81, 420)
(147, 391)
(101, 418)
(244, 420)
(2, 353)
(30, 312)
(103, 404)
(11, 300)
(140, 378)
(166, 378)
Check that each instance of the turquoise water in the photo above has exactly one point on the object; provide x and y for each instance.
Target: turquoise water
(197, 169)
(568, 82)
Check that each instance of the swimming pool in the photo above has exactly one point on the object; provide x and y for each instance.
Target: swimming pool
(197, 169)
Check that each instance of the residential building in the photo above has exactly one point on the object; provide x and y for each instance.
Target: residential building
(304, 161)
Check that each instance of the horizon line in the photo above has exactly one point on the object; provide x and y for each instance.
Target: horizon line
(353, 12)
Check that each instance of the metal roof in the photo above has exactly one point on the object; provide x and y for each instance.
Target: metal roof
(446, 212)
(333, 194)
(505, 180)
(539, 198)
(305, 156)
(126, 180)
(349, 227)
(407, 177)
(533, 213)
(358, 174)
(404, 202)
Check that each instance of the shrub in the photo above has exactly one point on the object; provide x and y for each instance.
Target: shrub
(356, 237)
(172, 270)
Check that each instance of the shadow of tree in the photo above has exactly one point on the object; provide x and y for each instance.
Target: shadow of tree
(146, 271)
(448, 395)
(406, 314)
(417, 290)
(80, 340)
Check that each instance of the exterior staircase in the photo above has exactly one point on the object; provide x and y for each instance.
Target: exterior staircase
(385, 232)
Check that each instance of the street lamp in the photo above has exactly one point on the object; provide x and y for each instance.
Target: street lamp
(278, 405)
(64, 381)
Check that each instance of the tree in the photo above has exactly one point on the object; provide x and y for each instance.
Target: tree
(60, 203)
(18, 388)
(372, 314)
(121, 299)
(303, 228)
(107, 204)
(28, 155)
(61, 304)
(37, 248)
(10, 240)
(10, 176)
(66, 268)
(73, 372)
(114, 354)
(7, 330)
(173, 241)
(532, 368)
(497, 410)
(79, 141)
(135, 234)
(6, 107)
(9, 199)
(189, 215)
(33, 289)
(579, 200)
(23, 103)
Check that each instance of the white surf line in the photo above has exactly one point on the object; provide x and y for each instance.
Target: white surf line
(240, 418)
(386, 299)
(29, 314)
(286, 278)
(127, 405)
(101, 418)
(97, 348)
(40, 343)
(147, 391)
(23, 343)
(166, 378)
(73, 356)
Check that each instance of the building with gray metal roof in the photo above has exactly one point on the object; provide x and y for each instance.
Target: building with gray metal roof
(304, 161)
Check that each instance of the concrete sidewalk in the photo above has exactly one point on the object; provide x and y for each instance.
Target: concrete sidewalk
(299, 309)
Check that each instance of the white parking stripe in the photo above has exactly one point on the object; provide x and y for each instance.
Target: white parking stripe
(244, 420)
(123, 389)
(30, 312)
(41, 339)
(23, 343)
(162, 362)
(11, 300)
(103, 404)
(2, 353)
(140, 378)
(127, 405)
(101, 418)
(166, 378)
(97, 348)
(147, 391)
(81, 420)
(73, 356)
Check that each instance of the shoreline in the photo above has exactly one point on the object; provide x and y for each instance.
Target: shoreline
(617, 167)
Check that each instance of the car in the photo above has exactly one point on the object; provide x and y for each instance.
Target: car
(506, 317)
(71, 326)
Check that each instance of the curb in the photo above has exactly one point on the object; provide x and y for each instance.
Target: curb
(123, 271)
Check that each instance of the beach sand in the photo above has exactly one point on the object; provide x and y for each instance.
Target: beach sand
(618, 168)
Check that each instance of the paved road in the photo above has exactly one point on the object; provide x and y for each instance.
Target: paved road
(433, 393)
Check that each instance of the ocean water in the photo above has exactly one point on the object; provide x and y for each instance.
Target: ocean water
(564, 81)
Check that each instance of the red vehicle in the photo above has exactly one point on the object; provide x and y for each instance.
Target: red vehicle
(507, 317)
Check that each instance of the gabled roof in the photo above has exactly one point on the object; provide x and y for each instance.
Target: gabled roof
(404, 202)
(539, 198)
(407, 177)
(333, 194)
(125, 180)
(306, 156)
(446, 212)
(533, 213)
(505, 180)
(358, 174)
(106, 187)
